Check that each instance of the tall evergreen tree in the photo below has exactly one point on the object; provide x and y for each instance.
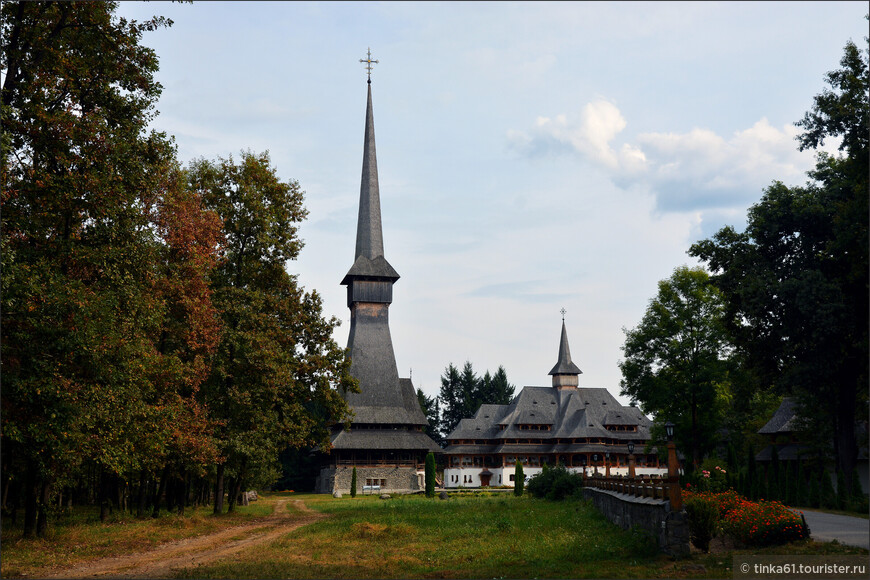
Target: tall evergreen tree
(432, 411)
(462, 393)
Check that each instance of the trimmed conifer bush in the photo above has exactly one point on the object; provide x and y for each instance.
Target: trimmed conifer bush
(827, 496)
(430, 475)
(353, 483)
(519, 479)
(813, 499)
(842, 492)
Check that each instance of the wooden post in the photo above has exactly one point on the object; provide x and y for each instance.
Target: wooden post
(631, 473)
(674, 494)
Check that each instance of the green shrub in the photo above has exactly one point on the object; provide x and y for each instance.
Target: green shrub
(752, 523)
(519, 479)
(353, 483)
(800, 486)
(842, 492)
(703, 513)
(813, 499)
(555, 483)
(430, 475)
(827, 496)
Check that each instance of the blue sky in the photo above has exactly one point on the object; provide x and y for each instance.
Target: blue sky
(531, 156)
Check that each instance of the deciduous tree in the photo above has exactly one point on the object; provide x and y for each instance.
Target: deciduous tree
(277, 373)
(796, 280)
(676, 359)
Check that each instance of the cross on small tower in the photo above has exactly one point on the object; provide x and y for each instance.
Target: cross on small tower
(368, 60)
(563, 311)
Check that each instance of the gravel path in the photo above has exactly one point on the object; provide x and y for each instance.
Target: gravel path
(191, 552)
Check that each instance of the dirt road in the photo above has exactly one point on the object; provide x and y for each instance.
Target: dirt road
(162, 561)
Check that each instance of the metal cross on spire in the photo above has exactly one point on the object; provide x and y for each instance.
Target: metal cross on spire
(563, 311)
(368, 60)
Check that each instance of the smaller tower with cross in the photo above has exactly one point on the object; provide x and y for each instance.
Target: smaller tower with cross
(565, 374)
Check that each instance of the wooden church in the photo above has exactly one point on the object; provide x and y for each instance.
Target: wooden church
(385, 442)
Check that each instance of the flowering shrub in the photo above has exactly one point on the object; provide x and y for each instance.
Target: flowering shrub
(712, 479)
(703, 515)
(760, 523)
(764, 523)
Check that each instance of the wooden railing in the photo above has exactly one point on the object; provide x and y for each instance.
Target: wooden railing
(641, 486)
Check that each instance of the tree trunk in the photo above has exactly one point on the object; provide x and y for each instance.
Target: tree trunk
(143, 490)
(42, 516)
(232, 494)
(847, 447)
(219, 490)
(163, 477)
(30, 501)
(103, 496)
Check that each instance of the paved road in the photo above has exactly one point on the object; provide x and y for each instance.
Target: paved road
(845, 529)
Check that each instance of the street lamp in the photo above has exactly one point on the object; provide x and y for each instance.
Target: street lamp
(669, 430)
(631, 459)
(607, 463)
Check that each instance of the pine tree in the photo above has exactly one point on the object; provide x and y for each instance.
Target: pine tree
(814, 500)
(800, 492)
(353, 483)
(842, 491)
(827, 496)
(519, 479)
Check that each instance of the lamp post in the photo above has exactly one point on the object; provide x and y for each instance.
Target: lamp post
(595, 464)
(674, 494)
(631, 459)
(607, 463)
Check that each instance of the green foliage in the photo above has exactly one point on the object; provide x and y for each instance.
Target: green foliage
(842, 495)
(432, 410)
(827, 496)
(519, 479)
(430, 474)
(677, 359)
(353, 482)
(277, 375)
(814, 497)
(555, 483)
(800, 486)
(756, 524)
(703, 515)
(802, 263)
(463, 393)
(108, 324)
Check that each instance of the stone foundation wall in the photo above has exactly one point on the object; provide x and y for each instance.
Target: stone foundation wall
(670, 528)
(399, 479)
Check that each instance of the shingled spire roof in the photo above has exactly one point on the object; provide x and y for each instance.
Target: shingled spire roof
(369, 258)
(565, 366)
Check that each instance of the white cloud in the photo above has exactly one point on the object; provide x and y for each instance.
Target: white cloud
(686, 171)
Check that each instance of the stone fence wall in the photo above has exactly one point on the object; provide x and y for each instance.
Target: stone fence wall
(395, 479)
(670, 528)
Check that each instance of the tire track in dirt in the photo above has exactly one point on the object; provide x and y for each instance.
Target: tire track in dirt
(197, 551)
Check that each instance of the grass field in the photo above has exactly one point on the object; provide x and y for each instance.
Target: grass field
(412, 536)
(470, 537)
(81, 537)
